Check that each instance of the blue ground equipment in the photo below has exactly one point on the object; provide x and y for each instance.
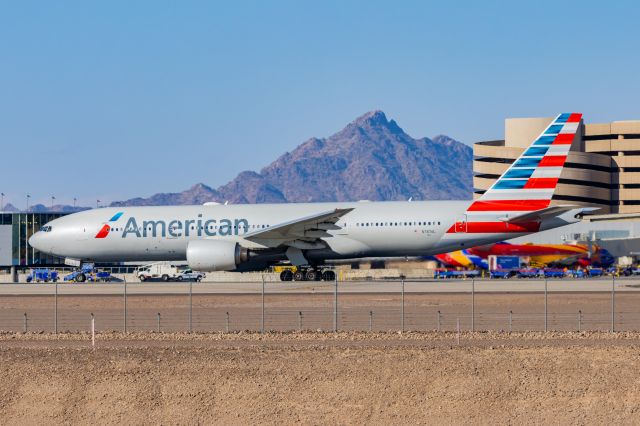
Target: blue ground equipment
(42, 275)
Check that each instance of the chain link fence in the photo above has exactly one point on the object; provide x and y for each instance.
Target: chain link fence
(187, 310)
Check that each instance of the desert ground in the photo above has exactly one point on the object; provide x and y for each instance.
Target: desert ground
(320, 378)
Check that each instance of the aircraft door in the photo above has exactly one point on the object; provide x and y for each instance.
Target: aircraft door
(461, 224)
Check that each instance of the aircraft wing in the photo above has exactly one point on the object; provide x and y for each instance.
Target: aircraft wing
(304, 233)
(546, 213)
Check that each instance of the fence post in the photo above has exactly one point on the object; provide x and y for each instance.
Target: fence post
(438, 319)
(402, 309)
(335, 306)
(25, 322)
(579, 321)
(55, 311)
(262, 317)
(370, 320)
(93, 331)
(300, 321)
(510, 321)
(190, 306)
(125, 306)
(545, 306)
(158, 322)
(613, 303)
(227, 322)
(473, 304)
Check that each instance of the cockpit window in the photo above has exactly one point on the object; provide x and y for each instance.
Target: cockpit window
(46, 228)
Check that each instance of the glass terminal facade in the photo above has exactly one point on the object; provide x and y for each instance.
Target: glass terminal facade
(15, 230)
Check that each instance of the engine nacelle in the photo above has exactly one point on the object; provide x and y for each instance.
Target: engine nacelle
(215, 255)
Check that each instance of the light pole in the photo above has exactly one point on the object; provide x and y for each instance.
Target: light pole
(28, 197)
(52, 200)
(74, 202)
(1, 201)
(97, 204)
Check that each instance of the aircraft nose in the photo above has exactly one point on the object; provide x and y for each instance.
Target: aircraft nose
(36, 241)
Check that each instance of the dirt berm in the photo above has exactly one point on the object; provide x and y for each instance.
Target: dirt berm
(321, 378)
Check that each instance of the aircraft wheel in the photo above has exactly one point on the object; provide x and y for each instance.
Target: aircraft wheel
(311, 275)
(80, 278)
(298, 276)
(286, 276)
(329, 276)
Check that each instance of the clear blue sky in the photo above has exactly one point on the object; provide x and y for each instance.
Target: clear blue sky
(116, 99)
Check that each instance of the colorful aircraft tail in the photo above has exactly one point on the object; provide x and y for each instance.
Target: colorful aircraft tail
(530, 182)
(519, 201)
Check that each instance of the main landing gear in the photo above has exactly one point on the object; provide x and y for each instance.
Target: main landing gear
(308, 274)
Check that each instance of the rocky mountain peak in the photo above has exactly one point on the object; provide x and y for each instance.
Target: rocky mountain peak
(371, 158)
(375, 120)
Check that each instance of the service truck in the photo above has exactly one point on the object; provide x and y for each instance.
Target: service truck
(160, 270)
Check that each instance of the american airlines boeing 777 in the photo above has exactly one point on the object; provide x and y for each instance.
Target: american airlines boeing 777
(214, 237)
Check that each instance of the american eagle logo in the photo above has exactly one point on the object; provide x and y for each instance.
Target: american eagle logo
(104, 231)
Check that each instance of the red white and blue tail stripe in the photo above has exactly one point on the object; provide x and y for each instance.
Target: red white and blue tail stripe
(527, 186)
(531, 180)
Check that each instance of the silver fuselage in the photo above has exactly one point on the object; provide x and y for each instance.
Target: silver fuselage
(371, 229)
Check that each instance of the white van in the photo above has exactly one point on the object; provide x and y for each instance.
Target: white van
(161, 270)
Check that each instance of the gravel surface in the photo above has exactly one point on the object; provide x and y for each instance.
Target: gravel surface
(308, 377)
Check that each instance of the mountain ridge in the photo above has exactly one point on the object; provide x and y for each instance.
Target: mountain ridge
(371, 158)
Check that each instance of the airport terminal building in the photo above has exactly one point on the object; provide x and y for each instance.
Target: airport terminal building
(15, 230)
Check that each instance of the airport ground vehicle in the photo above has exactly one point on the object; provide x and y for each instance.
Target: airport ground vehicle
(189, 275)
(80, 275)
(530, 273)
(40, 275)
(596, 272)
(446, 273)
(88, 273)
(502, 273)
(554, 273)
(160, 270)
(627, 272)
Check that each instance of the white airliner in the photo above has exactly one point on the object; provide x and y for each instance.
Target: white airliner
(214, 237)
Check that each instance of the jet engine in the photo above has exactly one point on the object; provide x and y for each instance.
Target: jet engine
(215, 255)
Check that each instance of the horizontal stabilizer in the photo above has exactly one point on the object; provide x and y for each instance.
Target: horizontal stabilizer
(549, 212)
